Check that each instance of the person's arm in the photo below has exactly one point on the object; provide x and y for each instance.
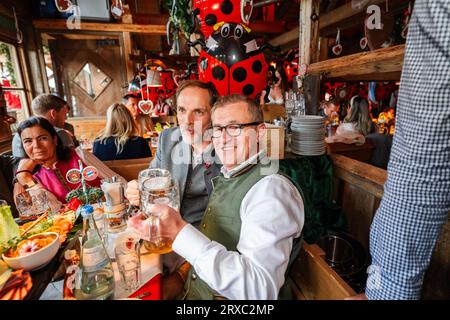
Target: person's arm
(416, 197)
(26, 181)
(103, 171)
(272, 216)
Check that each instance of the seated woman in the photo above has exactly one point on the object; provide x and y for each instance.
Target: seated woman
(277, 89)
(119, 139)
(358, 120)
(48, 161)
(358, 126)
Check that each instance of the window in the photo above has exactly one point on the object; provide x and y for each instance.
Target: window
(12, 84)
(92, 80)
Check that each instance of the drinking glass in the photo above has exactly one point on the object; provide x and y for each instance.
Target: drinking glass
(127, 254)
(32, 203)
(160, 176)
(155, 192)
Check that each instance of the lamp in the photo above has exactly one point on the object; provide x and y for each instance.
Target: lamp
(153, 78)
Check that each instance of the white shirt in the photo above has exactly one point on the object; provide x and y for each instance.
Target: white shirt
(272, 215)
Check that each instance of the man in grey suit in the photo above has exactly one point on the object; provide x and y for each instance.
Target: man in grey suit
(186, 151)
(55, 110)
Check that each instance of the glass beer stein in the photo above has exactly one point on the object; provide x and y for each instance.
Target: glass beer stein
(158, 191)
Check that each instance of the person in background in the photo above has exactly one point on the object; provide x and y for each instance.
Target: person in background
(142, 121)
(358, 127)
(250, 230)
(47, 162)
(55, 110)
(416, 199)
(330, 110)
(162, 108)
(276, 92)
(119, 139)
(358, 118)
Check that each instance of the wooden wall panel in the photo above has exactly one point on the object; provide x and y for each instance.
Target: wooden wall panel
(359, 207)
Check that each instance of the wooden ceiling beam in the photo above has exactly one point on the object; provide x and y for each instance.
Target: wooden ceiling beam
(364, 65)
(285, 38)
(61, 25)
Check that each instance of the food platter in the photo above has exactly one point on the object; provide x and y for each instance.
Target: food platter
(20, 284)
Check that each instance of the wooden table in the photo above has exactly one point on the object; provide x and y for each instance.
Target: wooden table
(48, 281)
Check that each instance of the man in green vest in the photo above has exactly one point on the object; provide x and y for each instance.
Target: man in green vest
(253, 220)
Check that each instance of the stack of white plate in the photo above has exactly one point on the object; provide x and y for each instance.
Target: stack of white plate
(308, 135)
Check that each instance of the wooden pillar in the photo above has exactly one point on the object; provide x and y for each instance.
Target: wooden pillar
(128, 49)
(309, 50)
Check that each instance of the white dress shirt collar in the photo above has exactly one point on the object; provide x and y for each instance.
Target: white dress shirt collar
(243, 166)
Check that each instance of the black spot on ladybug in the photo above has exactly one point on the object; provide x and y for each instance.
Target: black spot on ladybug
(248, 89)
(226, 7)
(218, 73)
(332, 83)
(239, 74)
(210, 19)
(295, 70)
(256, 66)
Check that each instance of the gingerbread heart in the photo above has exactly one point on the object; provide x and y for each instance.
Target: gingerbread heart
(146, 106)
(337, 49)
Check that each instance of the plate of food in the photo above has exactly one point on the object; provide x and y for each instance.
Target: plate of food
(33, 252)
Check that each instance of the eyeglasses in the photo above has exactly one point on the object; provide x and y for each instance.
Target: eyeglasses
(233, 130)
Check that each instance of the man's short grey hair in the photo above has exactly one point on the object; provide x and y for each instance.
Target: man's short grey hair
(45, 102)
(252, 107)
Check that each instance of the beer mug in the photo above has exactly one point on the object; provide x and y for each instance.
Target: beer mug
(161, 176)
(158, 191)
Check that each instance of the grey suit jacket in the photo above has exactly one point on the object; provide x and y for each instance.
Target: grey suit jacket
(175, 155)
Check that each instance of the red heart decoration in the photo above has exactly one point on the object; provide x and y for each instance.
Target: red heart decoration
(146, 106)
(337, 49)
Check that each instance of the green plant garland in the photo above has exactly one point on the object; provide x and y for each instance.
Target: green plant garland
(180, 15)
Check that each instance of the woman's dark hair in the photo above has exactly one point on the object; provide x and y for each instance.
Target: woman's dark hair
(62, 152)
(284, 80)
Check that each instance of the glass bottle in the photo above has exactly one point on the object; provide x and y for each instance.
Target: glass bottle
(96, 280)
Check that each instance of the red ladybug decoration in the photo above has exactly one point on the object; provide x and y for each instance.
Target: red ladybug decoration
(210, 12)
(233, 62)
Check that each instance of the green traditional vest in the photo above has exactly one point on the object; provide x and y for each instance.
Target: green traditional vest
(222, 223)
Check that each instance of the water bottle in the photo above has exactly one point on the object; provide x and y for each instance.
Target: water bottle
(96, 277)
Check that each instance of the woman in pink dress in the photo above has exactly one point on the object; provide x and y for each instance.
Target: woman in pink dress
(48, 162)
